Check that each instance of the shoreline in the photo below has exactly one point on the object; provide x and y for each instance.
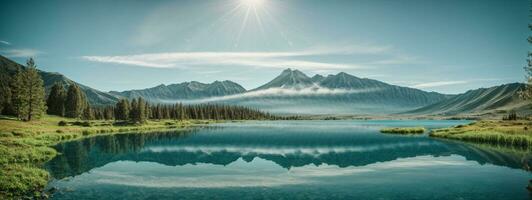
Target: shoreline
(516, 133)
(26, 146)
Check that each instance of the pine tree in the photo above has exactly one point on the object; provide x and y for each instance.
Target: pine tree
(133, 110)
(28, 93)
(88, 113)
(148, 110)
(182, 114)
(140, 115)
(526, 93)
(75, 102)
(122, 110)
(5, 96)
(56, 100)
(108, 113)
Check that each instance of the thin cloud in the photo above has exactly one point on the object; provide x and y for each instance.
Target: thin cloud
(438, 84)
(446, 83)
(252, 59)
(126, 61)
(21, 53)
(279, 92)
(5, 42)
(397, 60)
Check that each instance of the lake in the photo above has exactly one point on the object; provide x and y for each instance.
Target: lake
(288, 160)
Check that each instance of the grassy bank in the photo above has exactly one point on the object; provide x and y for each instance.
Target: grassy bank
(497, 132)
(25, 146)
(403, 130)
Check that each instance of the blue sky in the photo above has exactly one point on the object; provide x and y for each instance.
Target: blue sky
(445, 46)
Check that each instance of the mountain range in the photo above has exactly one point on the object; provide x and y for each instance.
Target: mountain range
(186, 90)
(293, 92)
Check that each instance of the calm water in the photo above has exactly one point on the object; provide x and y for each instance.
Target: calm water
(288, 160)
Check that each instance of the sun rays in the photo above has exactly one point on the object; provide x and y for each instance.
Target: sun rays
(254, 8)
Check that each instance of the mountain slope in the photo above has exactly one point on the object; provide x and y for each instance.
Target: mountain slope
(8, 68)
(183, 91)
(483, 100)
(343, 80)
(317, 78)
(289, 79)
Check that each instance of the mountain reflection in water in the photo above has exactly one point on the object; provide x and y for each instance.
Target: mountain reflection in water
(287, 146)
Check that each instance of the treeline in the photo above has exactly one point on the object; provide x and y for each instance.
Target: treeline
(138, 110)
(74, 105)
(512, 116)
(25, 98)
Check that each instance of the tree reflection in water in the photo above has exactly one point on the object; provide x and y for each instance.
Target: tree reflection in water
(222, 146)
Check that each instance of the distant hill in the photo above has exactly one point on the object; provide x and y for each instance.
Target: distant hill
(8, 68)
(497, 99)
(184, 91)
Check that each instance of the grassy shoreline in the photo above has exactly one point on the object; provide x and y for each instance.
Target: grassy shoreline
(404, 130)
(496, 132)
(26, 146)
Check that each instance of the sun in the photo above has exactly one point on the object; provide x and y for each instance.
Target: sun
(252, 3)
(253, 12)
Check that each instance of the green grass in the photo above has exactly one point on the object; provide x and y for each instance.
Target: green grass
(403, 130)
(501, 133)
(20, 180)
(26, 146)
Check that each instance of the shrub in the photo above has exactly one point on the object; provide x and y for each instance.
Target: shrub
(17, 133)
(121, 123)
(66, 137)
(83, 123)
(85, 132)
(62, 123)
(6, 134)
